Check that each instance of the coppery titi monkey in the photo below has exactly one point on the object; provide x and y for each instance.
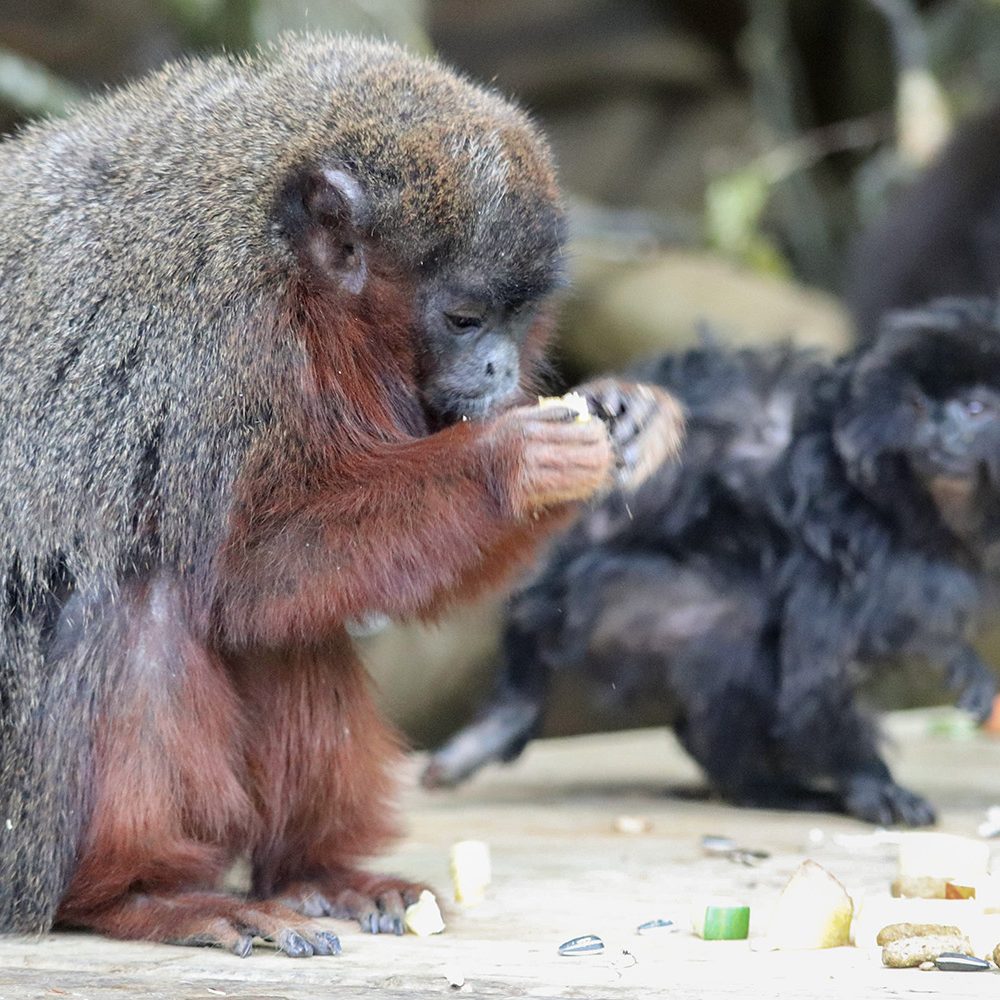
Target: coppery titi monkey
(267, 331)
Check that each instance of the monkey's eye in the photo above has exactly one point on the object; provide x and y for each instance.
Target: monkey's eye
(978, 407)
(463, 322)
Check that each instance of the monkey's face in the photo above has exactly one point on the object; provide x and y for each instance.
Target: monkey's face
(956, 436)
(924, 413)
(472, 351)
(476, 304)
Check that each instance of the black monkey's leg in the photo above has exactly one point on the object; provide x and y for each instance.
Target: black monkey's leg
(821, 732)
(825, 737)
(731, 744)
(508, 722)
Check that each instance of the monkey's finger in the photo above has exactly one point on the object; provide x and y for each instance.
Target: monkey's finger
(605, 397)
(285, 929)
(355, 906)
(325, 943)
(293, 944)
(642, 456)
(554, 413)
(217, 932)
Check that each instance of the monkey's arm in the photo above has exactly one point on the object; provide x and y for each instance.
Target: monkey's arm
(973, 681)
(645, 425)
(389, 530)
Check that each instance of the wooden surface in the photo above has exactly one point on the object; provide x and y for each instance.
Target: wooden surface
(560, 870)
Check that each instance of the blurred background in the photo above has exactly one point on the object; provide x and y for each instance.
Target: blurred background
(719, 159)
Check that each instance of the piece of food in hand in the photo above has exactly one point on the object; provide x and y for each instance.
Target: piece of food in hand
(572, 401)
(471, 872)
(813, 911)
(423, 917)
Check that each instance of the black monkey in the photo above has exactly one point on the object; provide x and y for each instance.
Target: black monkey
(827, 516)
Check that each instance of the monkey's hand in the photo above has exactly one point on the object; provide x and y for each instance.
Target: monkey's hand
(551, 457)
(645, 424)
(973, 681)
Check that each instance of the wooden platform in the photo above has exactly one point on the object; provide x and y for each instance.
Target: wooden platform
(560, 870)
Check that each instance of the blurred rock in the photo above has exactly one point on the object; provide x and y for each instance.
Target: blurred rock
(622, 310)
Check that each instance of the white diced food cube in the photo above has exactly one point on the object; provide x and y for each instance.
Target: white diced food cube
(424, 916)
(471, 871)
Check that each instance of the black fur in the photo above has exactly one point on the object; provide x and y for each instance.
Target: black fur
(799, 540)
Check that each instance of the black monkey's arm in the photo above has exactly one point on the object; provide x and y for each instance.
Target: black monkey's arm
(973, 681)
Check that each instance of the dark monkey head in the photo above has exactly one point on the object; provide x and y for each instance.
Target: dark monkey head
(923, 414)
(449, 190)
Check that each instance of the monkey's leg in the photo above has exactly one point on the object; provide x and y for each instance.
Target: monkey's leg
(825, 738)
(731, 741)
(169, 808)
(820, 729)
(323, 769)
(511, 719)
(500, 732)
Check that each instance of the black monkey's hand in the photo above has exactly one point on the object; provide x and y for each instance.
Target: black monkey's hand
(645, 424)
(973, 681)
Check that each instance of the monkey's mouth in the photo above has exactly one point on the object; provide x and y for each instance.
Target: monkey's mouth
(463, 408)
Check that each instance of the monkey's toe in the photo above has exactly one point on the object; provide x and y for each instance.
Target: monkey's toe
(377, 903)
(286, 930)
(382, 914)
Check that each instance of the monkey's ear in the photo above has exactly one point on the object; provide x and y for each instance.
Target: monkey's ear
(320, 213)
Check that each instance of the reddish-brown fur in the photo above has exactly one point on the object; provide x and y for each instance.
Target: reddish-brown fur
(256, 732)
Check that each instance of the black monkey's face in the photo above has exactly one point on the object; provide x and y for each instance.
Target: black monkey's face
(957, 436)
(923, 414)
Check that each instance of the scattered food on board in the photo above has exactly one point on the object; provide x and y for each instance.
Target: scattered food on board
(586, 944)
(423, 917)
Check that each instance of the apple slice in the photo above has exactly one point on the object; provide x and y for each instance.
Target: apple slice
(813, 911)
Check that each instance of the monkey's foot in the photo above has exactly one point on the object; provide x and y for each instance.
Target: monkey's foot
(885, 803)
(211, 919)
(377, 902)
